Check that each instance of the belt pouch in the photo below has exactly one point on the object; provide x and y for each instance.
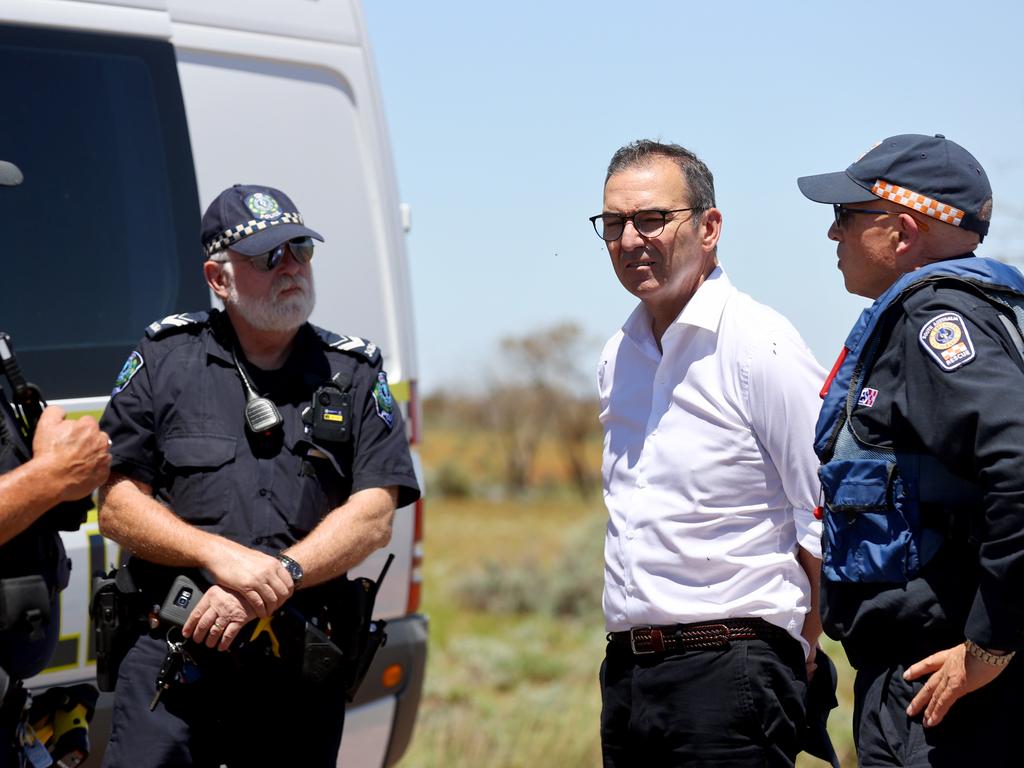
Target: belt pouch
(24, 604)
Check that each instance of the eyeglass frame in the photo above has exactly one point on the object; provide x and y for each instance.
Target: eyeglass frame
(270, 260)
(632, 218)
(839, 210)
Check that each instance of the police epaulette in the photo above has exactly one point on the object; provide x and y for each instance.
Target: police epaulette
(351, 344)
(175, 322)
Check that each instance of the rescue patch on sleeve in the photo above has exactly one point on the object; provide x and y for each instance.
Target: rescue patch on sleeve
(131, 366)
(946, 339)
(383, 399)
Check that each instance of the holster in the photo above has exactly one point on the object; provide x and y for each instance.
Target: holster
(336, 653)
(25, 606)
(357, 633)
(117, 611)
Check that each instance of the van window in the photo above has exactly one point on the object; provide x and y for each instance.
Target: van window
(102, 237)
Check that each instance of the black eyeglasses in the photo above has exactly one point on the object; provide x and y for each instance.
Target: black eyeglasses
(842, 213)
(610, 226)
(301, 248)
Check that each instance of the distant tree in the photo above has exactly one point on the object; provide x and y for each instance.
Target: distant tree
(515, 413)
(545, 391)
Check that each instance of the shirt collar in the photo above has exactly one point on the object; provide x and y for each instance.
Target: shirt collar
(703, 310)
(220, 339)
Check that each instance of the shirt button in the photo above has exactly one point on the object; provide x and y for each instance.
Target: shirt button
(263, 491)
(641, 482)
(630, 535)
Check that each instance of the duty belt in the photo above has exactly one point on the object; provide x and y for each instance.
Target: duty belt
(694, 637)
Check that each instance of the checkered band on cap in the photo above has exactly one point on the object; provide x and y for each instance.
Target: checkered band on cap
(918, 202)
(229, 237)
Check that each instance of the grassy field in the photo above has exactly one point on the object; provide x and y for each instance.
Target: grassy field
(516, 636)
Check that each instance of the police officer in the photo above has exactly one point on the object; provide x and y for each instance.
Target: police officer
(228, 466)
(66, 461)
(921, 439)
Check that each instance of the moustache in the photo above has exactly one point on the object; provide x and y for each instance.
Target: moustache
(287, 282)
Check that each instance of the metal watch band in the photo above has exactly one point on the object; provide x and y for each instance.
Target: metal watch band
(293, 568)
(988, 658)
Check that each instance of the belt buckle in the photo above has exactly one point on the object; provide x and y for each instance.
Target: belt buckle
(654, 633)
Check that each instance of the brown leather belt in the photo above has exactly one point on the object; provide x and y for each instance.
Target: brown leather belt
(694, 637)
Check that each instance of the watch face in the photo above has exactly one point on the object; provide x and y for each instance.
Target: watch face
(294, 569)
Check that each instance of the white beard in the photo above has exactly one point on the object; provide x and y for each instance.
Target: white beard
(269, 313)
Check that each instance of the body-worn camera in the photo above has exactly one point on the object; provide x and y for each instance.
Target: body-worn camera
(332, 411)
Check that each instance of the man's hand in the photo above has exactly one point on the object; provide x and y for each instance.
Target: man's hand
(218, 618)
(811, 664)
(76, 449)
(258, 578)
(954, 674)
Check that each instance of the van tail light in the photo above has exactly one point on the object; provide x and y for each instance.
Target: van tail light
(416, 571)
(413, 413)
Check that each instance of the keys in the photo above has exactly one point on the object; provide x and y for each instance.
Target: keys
(174, 661)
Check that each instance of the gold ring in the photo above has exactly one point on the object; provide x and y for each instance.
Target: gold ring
(216, 627)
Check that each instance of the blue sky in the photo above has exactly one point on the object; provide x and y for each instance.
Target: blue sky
(503, 117)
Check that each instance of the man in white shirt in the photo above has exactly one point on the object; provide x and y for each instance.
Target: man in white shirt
(712, 552)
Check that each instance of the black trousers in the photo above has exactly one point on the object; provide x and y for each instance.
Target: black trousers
(230, 716)
(980, 729)
(736, 706)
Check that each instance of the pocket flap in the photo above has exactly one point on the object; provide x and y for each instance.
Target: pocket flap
(199, 450)
(852, 486)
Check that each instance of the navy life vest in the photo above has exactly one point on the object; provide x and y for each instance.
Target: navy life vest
(874, 526)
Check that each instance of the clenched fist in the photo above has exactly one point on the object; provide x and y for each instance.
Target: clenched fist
(76, 449)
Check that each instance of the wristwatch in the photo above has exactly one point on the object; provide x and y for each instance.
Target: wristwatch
(293, 568)
(995, 660)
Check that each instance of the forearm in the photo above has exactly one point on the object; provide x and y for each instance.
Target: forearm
(811, 565)
(26, 493)
(347, 536)
(130, 515)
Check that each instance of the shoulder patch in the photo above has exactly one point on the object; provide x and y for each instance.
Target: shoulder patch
(946, 340)
(131, 366)
(383, 399)
(353, 345)
(175, 323)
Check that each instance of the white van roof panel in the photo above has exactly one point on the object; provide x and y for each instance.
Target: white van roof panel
(333, 21)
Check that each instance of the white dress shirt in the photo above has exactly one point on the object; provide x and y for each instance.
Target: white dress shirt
(710, 477)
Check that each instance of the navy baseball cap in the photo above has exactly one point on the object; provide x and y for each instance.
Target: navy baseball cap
(251, 220)
(929, 174)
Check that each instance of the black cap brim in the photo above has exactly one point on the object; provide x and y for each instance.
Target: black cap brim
(834, 188)
(271, 237)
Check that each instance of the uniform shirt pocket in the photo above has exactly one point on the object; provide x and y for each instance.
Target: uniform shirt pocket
(195, 488)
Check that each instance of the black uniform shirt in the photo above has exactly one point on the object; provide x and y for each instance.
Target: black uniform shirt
(177, 423)
(963, 405)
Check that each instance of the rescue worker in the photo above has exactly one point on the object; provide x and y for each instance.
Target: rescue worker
(226, 468)
(66, 460)
(921, 439)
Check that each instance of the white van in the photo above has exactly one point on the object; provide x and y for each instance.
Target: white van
(127, 117)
